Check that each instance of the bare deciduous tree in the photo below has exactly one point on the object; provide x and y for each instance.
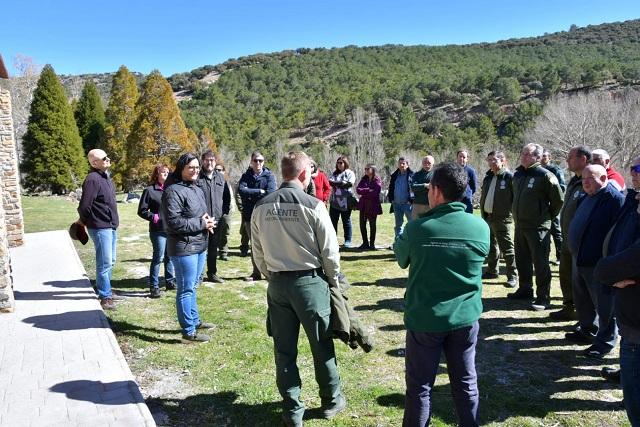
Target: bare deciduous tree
(365, 143)
(607, 120)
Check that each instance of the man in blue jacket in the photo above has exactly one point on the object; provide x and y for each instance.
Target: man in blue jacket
(594, 217)
(255, 183)
(400, 193)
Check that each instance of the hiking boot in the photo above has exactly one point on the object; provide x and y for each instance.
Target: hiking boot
(540, 304)
(333, 410)
(107, 304)
(214, 278)
(195, 338)
(521, 294)
(566, 313)
(154, 293)
(170, 286)
(224, 257)
(594, 352)
(511, 283)
(205, 325)
(488, 276)
(578, 337)
(611, 374)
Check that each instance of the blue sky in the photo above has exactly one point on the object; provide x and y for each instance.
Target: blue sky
(90, 37)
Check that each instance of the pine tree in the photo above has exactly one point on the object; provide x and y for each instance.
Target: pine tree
(158, 133)
(89, 115)
(205, 141)
(53, 158)
(120, 116)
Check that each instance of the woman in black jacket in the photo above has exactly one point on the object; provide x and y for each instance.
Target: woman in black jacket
(187, 224)
(149, 209)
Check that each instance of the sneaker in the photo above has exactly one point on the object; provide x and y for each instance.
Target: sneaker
(205, 325)
(154, 293)
(170, 286)
(540, 304)
(214, 278)
(107, 304)
(333, 410)
(488, 276)
(224, 257)
(364, 247)
(347, 244)
(594, 352)
(521, 294)
(566, 313)
(556, 262)
(578, 337)
(195, 338)
(511, 283)
(611, 374)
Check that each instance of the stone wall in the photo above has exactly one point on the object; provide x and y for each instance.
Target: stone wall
(9, 175)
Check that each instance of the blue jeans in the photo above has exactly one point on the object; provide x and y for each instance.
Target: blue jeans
(594, 305)
(188, 270)
(104, 240)
(159, 243)
(400, 211)
(422, 358)
(335, 215)
(630, 378)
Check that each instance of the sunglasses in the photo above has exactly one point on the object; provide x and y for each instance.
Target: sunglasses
(635, 169)
(106, 159)
(258, 160)
(339, 163)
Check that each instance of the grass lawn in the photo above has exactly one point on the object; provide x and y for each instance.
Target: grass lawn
(528, 374)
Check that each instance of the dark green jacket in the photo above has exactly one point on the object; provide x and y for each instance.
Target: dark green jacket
(503, 197)
(444, 250)
(572, 196)
(537, 197)
(421, 192)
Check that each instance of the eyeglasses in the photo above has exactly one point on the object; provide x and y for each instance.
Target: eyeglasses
(340, 162)
(258, 160)
(106, 159)
(635, 169)
(193, 168)
(219, 170)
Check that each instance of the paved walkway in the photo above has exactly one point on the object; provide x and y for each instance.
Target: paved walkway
(60, 364)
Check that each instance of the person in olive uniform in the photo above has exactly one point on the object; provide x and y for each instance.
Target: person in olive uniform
(420, 187)
(496, 197)
(537, 199)
(577, 159)
(556, 233)
(295, 246)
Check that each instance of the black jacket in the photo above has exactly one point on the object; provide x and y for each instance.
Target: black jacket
(216, 193)
(503, 196)
(149, 205)
(249, 189)
(98, 207)
(182, 208)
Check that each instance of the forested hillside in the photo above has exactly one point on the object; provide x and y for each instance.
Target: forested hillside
(426, 97)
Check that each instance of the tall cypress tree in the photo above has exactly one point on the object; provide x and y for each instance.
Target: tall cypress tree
(158, 133)
(53, 158)
(89, 114)
(120, 116)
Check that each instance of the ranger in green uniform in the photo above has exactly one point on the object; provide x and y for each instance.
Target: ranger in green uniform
(420, 187)
(496, 197)
(577, 159)
(537, 199)
(293, 242)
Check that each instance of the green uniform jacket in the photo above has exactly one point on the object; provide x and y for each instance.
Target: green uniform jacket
(503, 197)
(421, 192)
(537, 197)
(444, 250)
(574, 193)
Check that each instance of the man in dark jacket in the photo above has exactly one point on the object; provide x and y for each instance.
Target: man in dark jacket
(462, 157)
(99, 213)
(420, 187)
(495, 206)
(400, 194)
(556, 233)
(594, 217)
(254, 184)
(218, 199)
(537, 198)
(621, 270)
(577, 159)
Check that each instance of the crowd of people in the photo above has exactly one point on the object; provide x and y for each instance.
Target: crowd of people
(292, 232)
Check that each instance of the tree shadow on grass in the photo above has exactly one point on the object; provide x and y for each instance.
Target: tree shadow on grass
(368, 256)
(398, 282)
(394, 304)
(122, 328)
(54, 295)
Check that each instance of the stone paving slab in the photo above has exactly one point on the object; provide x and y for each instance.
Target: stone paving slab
(60, 364)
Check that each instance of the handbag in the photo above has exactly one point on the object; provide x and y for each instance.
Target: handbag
(352, 202)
